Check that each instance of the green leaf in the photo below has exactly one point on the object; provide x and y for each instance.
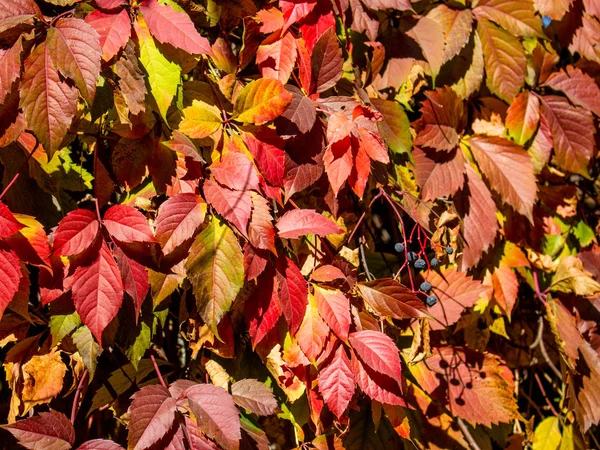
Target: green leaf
(62, 324)
(215, 270)
(163, 75)
(584, 234)
(395, 126)
(88, 348)
(141, 337)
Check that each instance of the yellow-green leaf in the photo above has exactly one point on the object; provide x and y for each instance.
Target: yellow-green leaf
(571, 277)
(547, 435)
(163, 75)
(216, 272)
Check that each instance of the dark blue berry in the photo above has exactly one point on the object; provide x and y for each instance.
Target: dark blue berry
(420, 264)
(411, 256)
(449, 250)
(434, 262)
(399, 247)
(431, 300)
(425, 286)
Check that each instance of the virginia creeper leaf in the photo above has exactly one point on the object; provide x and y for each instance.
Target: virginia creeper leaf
(152, 414)
(276, 59)
(216, 414)
(126, 224)
(178, 219)
(334, 308)
(260, 231)
(114, 31)
(523, 117)
(390, 299)
(9, 224)
(326, 62)
(254, 396)
(48, 430)
(581, 89)
(300, 222)
(292, 291)
(200, 120)
(215, 277)
(516, 16)
(98, 292)
(336, 382)
(10, 275)
(236, 171)
(377, 351)
(261, 101)
(312, 333)
(75, 233)
(234, 206)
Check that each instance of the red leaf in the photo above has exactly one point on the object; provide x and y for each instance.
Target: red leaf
(9, 225)
(379, 387)
(292, 291)
(100, 444)
(260, 101)
(254, 262)
(10, 69)
(261, 232)
(390, 299)
(327, 273)
(75, 49)
(178, 219)
(509, 169)
(439, 174)
(76, 232)
(235, 171)
(110, 4)
(295, 10)
(506, 288)
(216, 414)
(126, 224)
(300, 222)
(276, 59)
(378, 351)
(98, 292)
(429, 34)
(266, 148)
(300, 115)
(254, 396)
(573, 133)
(334, 308)
(262, 310)
(271, 20)
(51, 430)
(151, 416)
(10, 276)
(114, 31)
(336, 382)
(173, 27)
(478, 212)
(326, 62)
(135, 279)
(338, 164)
(455, 291)
(48, 102)
(234, 206)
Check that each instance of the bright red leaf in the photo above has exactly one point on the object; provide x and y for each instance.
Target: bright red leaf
(178, 219)
(75, 233)
(126, 224)
(336, 382)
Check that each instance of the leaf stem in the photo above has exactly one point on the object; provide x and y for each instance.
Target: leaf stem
(75, 407)
(158, 372)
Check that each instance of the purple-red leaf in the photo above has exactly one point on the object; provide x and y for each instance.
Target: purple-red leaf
(100, 444)
(151, 416)
(300, 222)
(98, 292)
(76, 53)
(326, 62)
(216, 414)
(266, 148)
(48, 430)
(10, 276)
(292, 291)
(75, 233)
(135, 279)
(254, 396)
(334, 308)
(126, 224)
(390, 299)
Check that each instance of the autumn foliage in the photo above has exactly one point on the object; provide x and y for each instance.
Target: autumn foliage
(316, 224)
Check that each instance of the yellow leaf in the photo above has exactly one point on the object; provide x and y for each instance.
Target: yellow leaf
(547, 435)
(200, 120)
(43, 378)
(571, 277)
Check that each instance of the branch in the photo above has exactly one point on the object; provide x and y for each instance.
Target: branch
(467, 434)
(75, 408)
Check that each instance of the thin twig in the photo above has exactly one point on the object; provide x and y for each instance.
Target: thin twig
(363, 259)
(548, 360)
(467, 434)
(539, 382)
(75, 408)
(540, 332)
(158, 372)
